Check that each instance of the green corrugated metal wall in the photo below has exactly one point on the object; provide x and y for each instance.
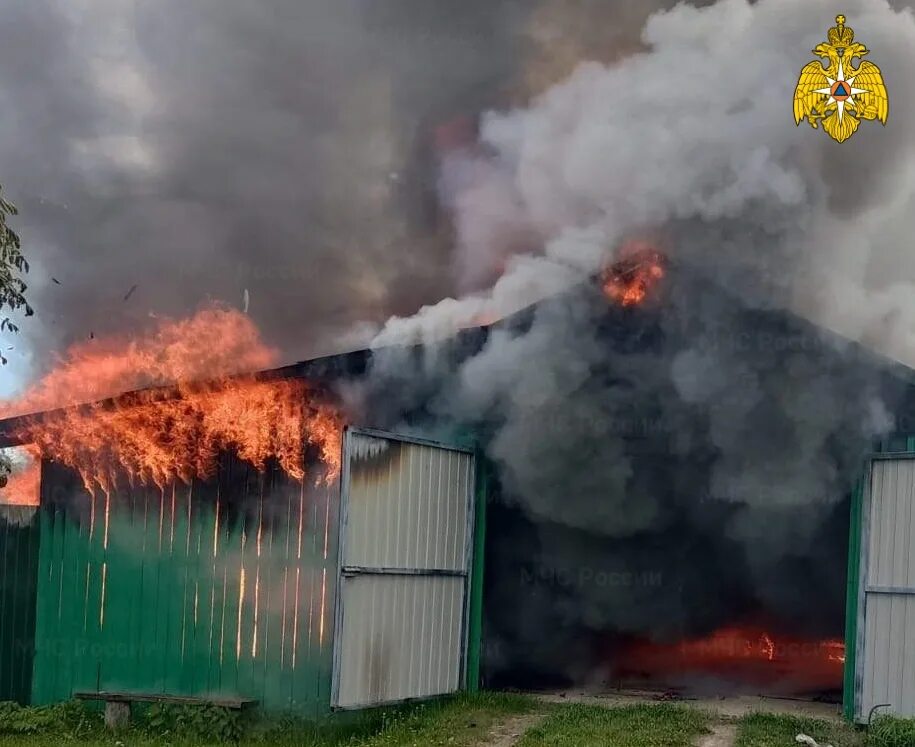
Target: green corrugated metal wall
(224, 588)
(18, 577)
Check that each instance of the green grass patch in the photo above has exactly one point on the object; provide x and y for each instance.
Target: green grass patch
(575, 725)
(770, 730)
(459, 721)
(886, 731)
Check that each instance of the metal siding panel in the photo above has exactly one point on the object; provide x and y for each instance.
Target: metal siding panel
(19, 527)
(907, 673)
(858, 676)
(430, 504)
(864, 676)
(412, 490)
(884, 643)
(404, 506)
(449, 468)
(386, 537)
(906, 655)
(404, 570)
(891, 661)
(405, 638)
(909, 532)
(416, 527)
(405, 655)
(877, 521)
(872, 655)
(453, 641)
(904, 531)
(871, 535)
(904, 519)
(175, 605)
(405, 544)
(888, 661)
(897, 572)
(893, 644)
(884, 479)
(438, 484)
(464, 529)
(888, 513)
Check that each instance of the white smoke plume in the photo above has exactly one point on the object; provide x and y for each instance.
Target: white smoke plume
(699, 129)
(692, 139)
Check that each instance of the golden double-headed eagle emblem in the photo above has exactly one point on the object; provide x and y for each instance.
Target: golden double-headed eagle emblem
(834, 92)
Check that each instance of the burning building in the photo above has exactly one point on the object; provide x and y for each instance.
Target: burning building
(675, 473)
(673, 451)
(668, 506)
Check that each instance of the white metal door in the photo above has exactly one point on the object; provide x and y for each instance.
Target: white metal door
(885, 661)
(405, 553)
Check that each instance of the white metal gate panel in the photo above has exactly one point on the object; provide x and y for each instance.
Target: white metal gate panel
(885, 661)
(405, 553)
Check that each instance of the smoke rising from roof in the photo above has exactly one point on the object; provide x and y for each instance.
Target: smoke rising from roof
(285, 154)
(760, 437)
(691, 136)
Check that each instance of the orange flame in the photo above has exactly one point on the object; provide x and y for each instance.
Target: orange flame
(23, 484)
(732, 643)
(216, 341)
(630, 279)
(741, 652)
(156, 438)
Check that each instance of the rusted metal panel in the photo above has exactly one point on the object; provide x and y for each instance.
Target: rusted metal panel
(405, 555)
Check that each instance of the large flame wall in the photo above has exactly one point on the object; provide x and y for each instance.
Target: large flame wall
(217, 587)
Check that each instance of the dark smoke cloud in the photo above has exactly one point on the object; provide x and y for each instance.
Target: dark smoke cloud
(201, 149)
(664, 471)
(759, 440)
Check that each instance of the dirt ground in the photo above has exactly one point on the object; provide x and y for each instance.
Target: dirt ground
(510, 732)
(723, 735)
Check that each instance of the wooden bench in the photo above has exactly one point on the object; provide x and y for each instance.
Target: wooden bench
(117, 704)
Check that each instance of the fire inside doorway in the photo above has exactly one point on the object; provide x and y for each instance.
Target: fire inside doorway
(679, 534)
(674, 614)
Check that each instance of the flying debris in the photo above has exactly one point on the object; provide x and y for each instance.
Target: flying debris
(246, 298)
(55, 280)
(130, 292)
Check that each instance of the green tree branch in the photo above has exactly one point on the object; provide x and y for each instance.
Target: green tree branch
(13, 266)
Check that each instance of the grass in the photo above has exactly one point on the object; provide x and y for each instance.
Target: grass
(887, 731)
(770, 730)
(576, 725)
(460, 721)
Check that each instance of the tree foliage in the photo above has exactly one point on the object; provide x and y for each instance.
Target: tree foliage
(13, 266)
